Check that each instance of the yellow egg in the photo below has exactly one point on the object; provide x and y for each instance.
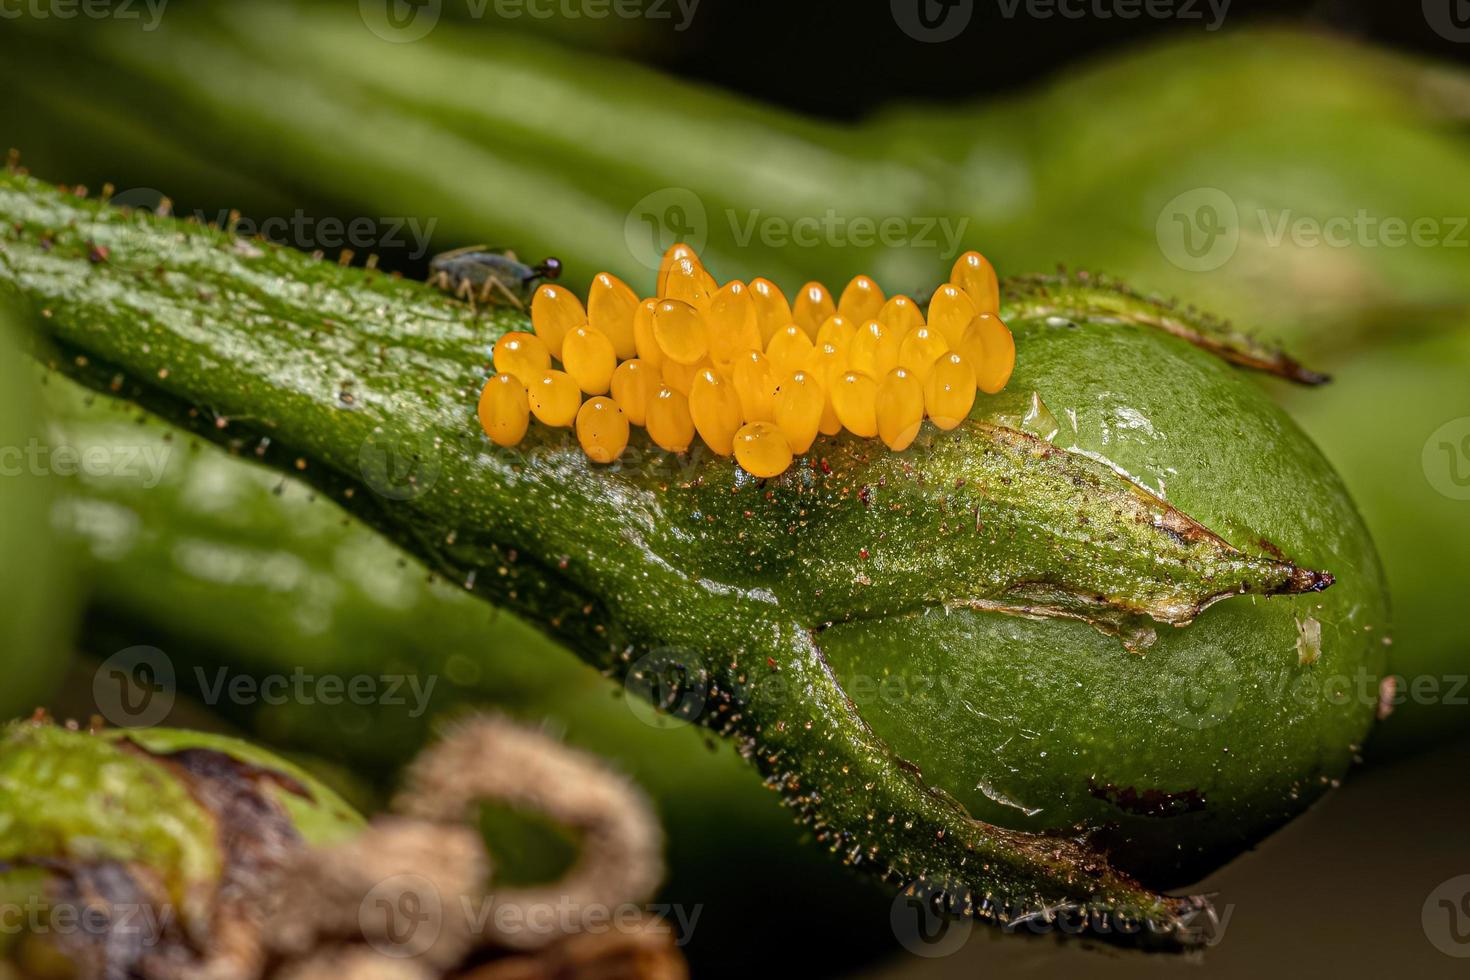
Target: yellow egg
(950, 312)
(836, 330)
(633, 383)
(643, 338)
(680, 331)
(861, 300)
(853, 398)
(755, 384)
(715, 409)
(949, 391)
(602, 429)
(772, 312)
(762, 449)
(874, 349)
(504, 410)
(521, 354)
(789, 349)
(676, 251)
(669, 424)
(900, 315)
(555, 398)
(797, 406)
(555, 312)
(588, 356)
(920, 349)
(731, 323)
(974, 274)
(678, 376)
(813, 306)
(989, 346)
(689, 283)
(611, 305)
(900, 409)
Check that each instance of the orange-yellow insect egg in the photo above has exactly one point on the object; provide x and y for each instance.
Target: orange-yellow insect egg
(555, 312)
(853, 398)
(826, 364)
(920, 349)
(874, 349)
(812, 307)
(678, 376)
(900, 315)
(772, 312)
(899, 406)
(731, 322)
(669, 424)
(950, 312)
(680, 331)
(974, 274)
(633, 383)
(949, 391)
(690, 283)
(643, 338)
(789, 349)
(991, 350)
(675, 252)
(602, 429)
(521, 354)
(611, 305)
(755, 384)
(588, 356)
(861, 301)
(715, 409)
(504, 410)
(836, 330)
(762, 449)
(554, 398)
(797, 406)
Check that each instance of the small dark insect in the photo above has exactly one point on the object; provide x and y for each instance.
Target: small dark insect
(478, 274)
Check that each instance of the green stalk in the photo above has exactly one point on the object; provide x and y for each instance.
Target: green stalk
(364, 383)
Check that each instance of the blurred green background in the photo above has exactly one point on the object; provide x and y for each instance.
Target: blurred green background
(1303, 169)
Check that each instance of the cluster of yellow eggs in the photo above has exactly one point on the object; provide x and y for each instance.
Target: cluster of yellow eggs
(747, 372)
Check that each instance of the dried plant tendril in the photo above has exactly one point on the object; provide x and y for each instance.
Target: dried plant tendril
(739, 368)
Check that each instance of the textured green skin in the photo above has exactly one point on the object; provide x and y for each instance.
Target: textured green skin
(35, 640)
(1262, 735)
(76, 796)
(275, 338)
(221, 542)
(1076, 171)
